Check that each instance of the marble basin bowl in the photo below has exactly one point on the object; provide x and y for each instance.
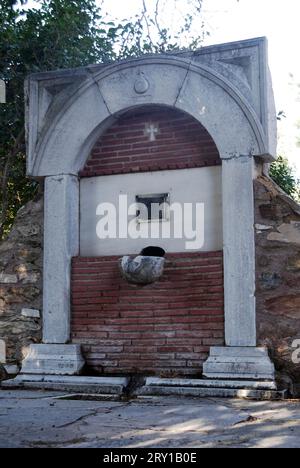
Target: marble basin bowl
(143, 269)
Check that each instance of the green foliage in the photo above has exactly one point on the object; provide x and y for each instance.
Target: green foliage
(60, 34)
(283, 174)
(64, 34)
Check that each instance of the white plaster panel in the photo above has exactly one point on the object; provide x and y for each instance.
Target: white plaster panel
(202, 185)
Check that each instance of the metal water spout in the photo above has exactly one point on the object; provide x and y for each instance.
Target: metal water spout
(146, 268)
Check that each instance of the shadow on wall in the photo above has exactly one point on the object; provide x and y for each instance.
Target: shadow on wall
(278, 277)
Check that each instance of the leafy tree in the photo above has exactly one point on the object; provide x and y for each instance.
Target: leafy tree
(60, 34)
(283, 174)
(65, 34)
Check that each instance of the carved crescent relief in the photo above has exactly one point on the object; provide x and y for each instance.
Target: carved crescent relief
(141, 84)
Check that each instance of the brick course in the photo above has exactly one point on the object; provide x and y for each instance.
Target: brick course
(163, 329)
(181, 143)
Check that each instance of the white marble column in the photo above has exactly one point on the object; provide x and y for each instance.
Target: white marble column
(239, 251)
(61, 243)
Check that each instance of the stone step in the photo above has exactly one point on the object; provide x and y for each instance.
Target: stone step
(230, 384)
(202, 392)
(75, 384)
(153, 386)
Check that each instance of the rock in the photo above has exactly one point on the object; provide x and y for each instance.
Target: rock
(8, 279)
(285, 305)
(30, 313)
(269, 212)
(270, 280)
(3, 375)
(289, 233)
(6, 246)
(293, 263)
(292, 281)
(11, 370)
(29, 278)
(263, 261)
(285, 382)
(263, 227)
(29, 231)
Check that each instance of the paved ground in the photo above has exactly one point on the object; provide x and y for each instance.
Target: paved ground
(37, 419)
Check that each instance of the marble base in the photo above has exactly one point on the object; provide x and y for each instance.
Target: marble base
(240, 363)
(53, 359)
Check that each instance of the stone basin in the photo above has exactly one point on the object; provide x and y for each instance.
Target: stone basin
(143, 269)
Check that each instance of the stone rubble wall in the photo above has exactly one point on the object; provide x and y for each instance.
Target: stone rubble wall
(278, 277)
(21, 285)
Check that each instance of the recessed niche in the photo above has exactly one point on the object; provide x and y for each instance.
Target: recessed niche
(153, 207)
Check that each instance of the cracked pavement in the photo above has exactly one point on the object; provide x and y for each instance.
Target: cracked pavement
(37, 419)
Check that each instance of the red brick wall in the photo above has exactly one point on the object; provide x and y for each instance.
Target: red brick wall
(163, 329)
(124, 148)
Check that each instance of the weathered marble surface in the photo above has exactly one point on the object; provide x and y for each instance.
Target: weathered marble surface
(53, 359)
(226, 87)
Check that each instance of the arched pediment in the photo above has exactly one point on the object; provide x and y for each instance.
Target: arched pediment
(68, 111)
